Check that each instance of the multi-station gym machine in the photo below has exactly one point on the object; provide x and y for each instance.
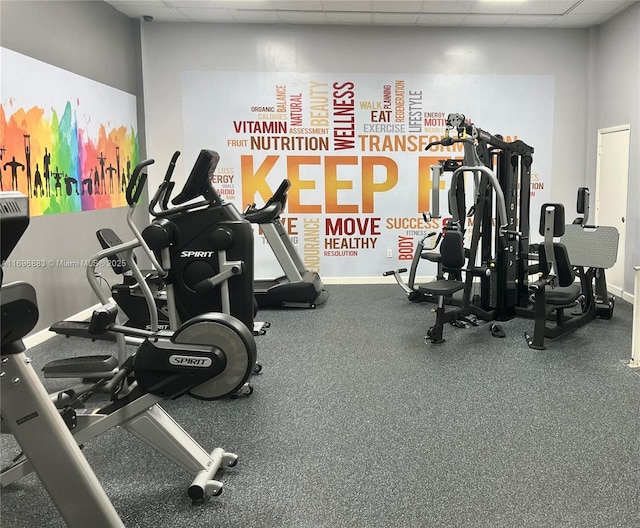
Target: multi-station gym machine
(495, 282)
(498, 254)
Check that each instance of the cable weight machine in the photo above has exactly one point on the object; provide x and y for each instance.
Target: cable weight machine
(505, 250)
(497, 257)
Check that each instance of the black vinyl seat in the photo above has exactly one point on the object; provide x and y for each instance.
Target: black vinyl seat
(453, 259)
(556, 289)
(567, 291)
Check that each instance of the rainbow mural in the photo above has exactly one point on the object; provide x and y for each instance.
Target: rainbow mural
(61, 156)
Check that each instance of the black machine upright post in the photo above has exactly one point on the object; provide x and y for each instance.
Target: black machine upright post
(508, 290)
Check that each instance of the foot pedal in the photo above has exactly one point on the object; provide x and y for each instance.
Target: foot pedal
(95, 367)
(80, 329)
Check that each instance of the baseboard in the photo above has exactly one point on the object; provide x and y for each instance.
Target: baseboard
(43, 335)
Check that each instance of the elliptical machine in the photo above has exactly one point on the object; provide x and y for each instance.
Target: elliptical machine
(128, 295)
(188, 246)
(26, 409)
(209, 356)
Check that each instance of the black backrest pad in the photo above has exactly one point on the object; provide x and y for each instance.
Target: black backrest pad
(564, 269)
(558, 222)
(452, 250)
(583, 200)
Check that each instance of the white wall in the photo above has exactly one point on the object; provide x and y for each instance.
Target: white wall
(616, 87)
(170, 48)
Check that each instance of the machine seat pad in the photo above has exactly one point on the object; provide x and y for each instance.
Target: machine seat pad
(441, 287)
(562, 295)
(431, 256)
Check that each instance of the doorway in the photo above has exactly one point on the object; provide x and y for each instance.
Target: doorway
(612, 180)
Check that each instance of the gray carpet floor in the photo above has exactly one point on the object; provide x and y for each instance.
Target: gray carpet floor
(356, 422)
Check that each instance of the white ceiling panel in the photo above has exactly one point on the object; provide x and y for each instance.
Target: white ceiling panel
(546, 7)
(530, 21)
(394, 19)
(478, 20)
(497, 8)
(336, 17)
(515, 13)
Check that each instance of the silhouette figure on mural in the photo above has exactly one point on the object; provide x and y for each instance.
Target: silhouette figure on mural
(124, 183)
(68, 182)
(14, 171)
(37, 183)
(88, 183)
(46, 163)
(27, 155)
(58, 186)
(118, 169)
(103, 186)
(110, 169)
(2, 151)
(96, 181)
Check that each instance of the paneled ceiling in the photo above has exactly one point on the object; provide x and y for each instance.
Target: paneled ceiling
(465, 13)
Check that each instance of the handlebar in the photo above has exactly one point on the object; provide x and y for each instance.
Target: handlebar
(163, 194)
(172, 166)
(445, 142)
(137, 182)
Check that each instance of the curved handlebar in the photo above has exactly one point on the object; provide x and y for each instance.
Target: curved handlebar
(445, 142)
(163, 194)
(136, 183)
(172, 166)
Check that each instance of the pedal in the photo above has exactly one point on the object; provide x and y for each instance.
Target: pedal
(69, 416)
(86, 367)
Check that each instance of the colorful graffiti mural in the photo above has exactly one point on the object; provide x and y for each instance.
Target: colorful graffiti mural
(66, 155)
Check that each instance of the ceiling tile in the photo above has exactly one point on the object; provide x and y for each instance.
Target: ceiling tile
(206, 15)
(364, 6)
(594, 7)
(496, 7)
(448, 7)
(397, 6)
(334, 17)
(545, 7)
(306, 17)
(394, 19)
(485, 20)
(440, 20)
(523, 13)
(530, 20)
(297, 5)
(572, 20)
